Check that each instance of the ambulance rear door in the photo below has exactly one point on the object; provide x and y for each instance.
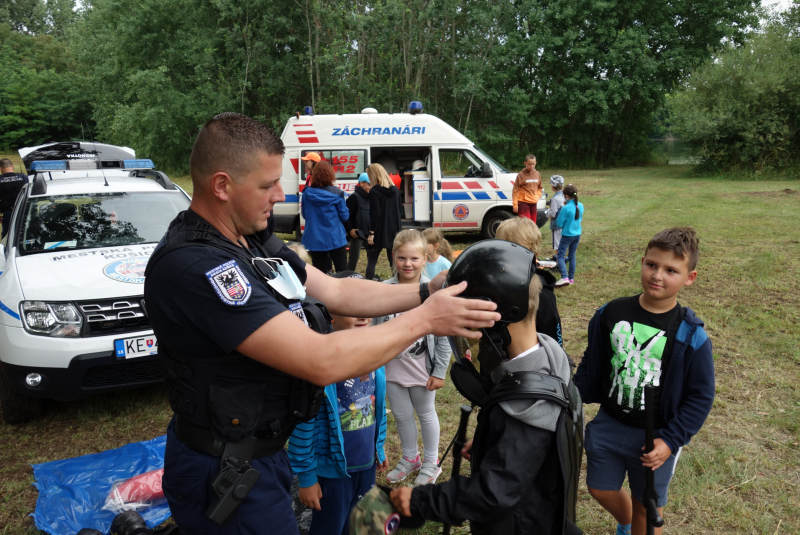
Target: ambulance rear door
(465, 188)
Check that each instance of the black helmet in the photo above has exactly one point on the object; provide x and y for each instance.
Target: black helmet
(497, 271)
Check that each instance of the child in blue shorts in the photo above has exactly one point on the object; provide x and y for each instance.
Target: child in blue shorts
(635, 341)
(334, 455)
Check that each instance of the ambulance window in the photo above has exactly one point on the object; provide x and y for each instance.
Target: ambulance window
(459, 163)
(347, 164)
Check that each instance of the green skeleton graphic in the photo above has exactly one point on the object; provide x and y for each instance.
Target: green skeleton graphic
(636, 362)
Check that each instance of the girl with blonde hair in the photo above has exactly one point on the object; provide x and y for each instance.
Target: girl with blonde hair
(385, 207)
(439, 253)
(413, 377)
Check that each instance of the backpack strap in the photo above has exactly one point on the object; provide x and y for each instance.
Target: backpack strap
(529, 385)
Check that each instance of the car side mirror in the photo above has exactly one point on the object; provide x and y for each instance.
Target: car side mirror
(487, 169)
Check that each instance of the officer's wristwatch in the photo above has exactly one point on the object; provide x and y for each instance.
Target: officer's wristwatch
(423, 291)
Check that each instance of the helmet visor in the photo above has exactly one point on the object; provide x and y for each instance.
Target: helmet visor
(462, 347)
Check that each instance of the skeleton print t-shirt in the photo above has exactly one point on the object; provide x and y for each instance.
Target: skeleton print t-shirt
(638, 346)
(410, 368)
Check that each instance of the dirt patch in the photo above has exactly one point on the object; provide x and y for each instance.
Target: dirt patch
(590, 193)
(786, 191)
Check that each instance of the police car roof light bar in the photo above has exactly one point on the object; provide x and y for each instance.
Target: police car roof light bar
(415, 107)
(75, 165)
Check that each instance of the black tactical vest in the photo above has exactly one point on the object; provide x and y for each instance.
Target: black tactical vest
(234, 396)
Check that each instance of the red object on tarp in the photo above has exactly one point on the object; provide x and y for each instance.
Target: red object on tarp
(136, 492)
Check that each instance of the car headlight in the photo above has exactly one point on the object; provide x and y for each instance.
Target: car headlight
(51, 319)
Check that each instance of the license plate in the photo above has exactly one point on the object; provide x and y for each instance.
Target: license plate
(140, 346)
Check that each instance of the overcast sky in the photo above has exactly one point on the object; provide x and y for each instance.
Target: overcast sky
(780, 5)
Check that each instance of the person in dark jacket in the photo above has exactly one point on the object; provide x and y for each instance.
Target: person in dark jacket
(385, 207)
(646, 339)
(526, 233)
(10, 185)
(358, 204)
(326, 216)
(515, 486)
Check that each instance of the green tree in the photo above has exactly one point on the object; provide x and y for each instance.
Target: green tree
(42, 98)
(742, 110)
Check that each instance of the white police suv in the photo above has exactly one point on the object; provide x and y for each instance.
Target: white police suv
(73, 321)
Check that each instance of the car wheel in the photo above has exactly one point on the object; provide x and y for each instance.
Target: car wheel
(18, 408)
(493, 221)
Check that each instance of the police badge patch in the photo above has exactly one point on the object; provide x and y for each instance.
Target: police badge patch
(229, 282)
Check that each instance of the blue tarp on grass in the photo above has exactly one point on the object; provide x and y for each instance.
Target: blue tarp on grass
(72, 492)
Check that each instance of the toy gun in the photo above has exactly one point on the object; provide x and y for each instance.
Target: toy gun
(459, 440)
(654, 519)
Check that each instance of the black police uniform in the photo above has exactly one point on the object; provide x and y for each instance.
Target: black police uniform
(10, 186)
(204, 298)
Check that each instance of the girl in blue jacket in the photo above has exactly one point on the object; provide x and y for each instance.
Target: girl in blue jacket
(327, 220)
(569, 220)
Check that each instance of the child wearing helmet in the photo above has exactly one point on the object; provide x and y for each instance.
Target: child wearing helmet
(557, 185)
(517, 484)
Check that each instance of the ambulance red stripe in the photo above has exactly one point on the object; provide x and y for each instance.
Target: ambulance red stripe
(455, 225)
(473, 185)
(452, 185)
(299, 125)
(308, 140)
(306, 132)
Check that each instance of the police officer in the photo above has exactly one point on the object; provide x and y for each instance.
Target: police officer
(10, 185)
(240, 361)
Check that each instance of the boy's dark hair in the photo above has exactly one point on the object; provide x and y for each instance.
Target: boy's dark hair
(682, 242)
(229, 142)
(322, 175)
(347, 274)
(6, 163)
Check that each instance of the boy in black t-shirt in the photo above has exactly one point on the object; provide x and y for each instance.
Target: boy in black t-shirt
(648, 339)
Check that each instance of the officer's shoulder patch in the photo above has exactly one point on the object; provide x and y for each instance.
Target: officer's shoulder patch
(230, 283)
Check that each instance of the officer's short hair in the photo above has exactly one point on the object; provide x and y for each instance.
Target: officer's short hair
(229, 142)
(5, 163)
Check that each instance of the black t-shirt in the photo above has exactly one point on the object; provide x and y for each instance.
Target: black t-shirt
(10, 186)
(204, 302)
(639, 345)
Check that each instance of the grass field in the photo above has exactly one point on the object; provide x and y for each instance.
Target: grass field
(740, 474)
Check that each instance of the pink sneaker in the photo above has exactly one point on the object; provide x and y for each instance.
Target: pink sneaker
(428, 474)
(572, 281)
(403, 469)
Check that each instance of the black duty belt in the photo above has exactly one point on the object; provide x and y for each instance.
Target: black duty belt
(200, 439)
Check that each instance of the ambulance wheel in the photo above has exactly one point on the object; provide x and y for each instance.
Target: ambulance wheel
(18, 408)
(493, 221)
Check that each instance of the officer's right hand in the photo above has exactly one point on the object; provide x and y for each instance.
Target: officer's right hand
(449, 315)
(310, 496)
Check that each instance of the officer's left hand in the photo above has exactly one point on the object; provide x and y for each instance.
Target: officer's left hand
(658, 456)
(401, 499)
(434, 383)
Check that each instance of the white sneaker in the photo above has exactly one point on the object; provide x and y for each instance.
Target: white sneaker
(403, 469)
(563, 282)
(428, 474)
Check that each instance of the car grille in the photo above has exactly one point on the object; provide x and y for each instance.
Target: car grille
(113, 316)
(123, 373)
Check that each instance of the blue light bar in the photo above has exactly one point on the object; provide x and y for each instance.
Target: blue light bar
(308, 110)
(415, 107)
(49, 165)
(138, 164)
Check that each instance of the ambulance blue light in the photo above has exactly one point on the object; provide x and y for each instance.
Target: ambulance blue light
(138, 164)
(415, 107)
(308, 110)
(49, 165)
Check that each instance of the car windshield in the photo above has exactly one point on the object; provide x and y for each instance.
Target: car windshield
(494, 162)
(63, 222)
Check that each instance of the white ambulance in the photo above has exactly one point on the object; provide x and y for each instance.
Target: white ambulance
(459, 188)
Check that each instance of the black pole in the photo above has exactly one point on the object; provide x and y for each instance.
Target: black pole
(461, 438)
(654, 519)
